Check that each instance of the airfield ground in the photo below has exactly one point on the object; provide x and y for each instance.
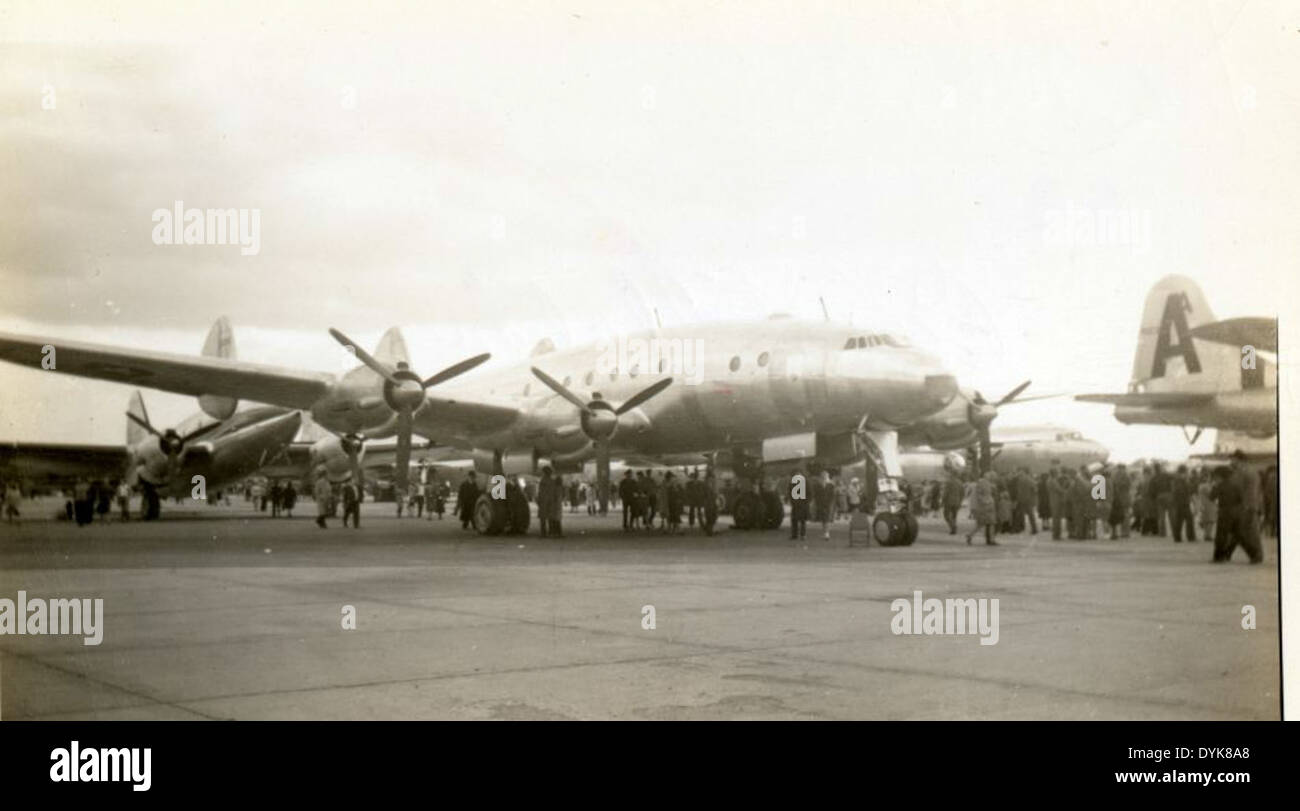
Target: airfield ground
(220, 613)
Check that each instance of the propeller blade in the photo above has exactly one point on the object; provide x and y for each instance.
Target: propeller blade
(143, 424)
(458, 369)
(363, 356)
(404, 422)
(1019, 400)
(643, 395)
(979, 398)
(1011, 395)
(200, 431)
(555, 386)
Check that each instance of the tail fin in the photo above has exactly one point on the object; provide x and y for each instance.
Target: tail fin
(1168, 358)
(391, 350)
(134, 433)
(220, 343)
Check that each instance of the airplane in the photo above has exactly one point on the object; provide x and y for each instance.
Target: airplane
(964, 423)
(220, 443)
(1035, 447)
(771, 391)
(1193, 371)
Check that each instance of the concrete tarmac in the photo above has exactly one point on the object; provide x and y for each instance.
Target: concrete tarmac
(223, 613)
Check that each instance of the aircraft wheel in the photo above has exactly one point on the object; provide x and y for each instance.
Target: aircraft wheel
(520, 513)
(490, 515)
(888, 528)
(773, 510)
(746, 511)
(910, 529)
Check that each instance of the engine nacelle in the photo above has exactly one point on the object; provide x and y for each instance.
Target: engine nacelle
(329, 454)
(152, 463)
(523, 463)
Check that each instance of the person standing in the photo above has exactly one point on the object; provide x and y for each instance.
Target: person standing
(984, 509)
(1059, 493)
(824, 503)
(276, 499)
(1162, 486)
(322, 493)
(1181, 491)
(798, 494)
(709, 493)
(627, 494)
(290, 499)
(431, 497)
(465, 498)
(674, 501)
(1251, 501)
(124, 500)
(1026, 497)
(953, 491)
(351, 505)
(1207, 510)
(549, 504)
(693, 501)
(1121, 496)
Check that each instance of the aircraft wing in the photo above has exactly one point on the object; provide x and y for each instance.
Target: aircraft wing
(46, 462)
(1152, 399)
(181, 374)
(1260, 333)
(450, 421)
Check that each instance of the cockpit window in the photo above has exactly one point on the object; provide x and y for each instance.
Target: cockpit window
(852, 344)
(896, 341)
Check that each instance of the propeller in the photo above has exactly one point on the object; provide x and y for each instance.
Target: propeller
(599, 420)
(404, 394)
(170, 441)
(980, 413)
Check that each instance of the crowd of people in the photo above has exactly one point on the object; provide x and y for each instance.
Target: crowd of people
(1231, 505)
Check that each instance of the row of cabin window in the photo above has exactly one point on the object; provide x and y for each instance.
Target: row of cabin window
(634, 371)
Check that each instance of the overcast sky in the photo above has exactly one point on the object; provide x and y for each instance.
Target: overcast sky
(488, 174)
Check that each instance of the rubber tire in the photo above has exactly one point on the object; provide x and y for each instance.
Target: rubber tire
(490, 515)
(910, 530)
(887, 529)
(746, 511)
(773, 510)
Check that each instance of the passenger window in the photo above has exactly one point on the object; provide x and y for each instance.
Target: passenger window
(735, 363)
(762, 359)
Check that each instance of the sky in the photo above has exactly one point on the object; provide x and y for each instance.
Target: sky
(486, 175)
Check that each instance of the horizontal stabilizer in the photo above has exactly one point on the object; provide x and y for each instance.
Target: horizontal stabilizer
(1154, 399)
(1260, 333)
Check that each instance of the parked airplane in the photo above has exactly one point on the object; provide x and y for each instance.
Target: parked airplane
(776, 390)
(220, 443)
(964, 423)
(1035, 447)
(1191, 370)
